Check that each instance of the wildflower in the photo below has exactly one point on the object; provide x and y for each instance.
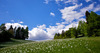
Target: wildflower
(62, 47)
(89, 49)
(71, 46)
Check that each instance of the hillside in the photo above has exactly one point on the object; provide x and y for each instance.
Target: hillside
(13, 42)
(79, 45)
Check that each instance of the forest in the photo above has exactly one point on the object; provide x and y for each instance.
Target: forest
(90, 28)
(15, 33)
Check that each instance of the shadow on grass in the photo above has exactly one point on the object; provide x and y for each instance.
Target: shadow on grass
(13, 42)
(2, 46)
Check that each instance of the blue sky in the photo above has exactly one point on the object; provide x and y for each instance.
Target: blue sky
(45, 17)
(31, 12)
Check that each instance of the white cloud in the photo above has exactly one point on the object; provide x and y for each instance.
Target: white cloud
(87, 0)
(66, 1)
(74, 24)
(57, 23)
(43, 33)
(90, 7)
(47, 1)
(82, 19)
(38, 34)
(12, 20)
(52, 14)
(97, 8)
(14, 25)
(57, 1)
(42, 26)
(55, 29)
(71, 1)
(69, 14)
(21, 22)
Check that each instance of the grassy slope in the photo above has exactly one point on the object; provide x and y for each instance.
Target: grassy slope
(13, 42)
(80, 45)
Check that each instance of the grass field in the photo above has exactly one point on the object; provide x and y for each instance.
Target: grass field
(13, 42)
(79, 45)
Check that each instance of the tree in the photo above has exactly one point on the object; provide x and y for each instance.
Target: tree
(57, 36)
(14, 32)
(74, 32)
(23, 33)
(62, 34)
(87, 14)
(2, 27)
(4, 34)
(11, 31)
(82, 28)
(18, 33)
(68, 34)
(89, 28)
(26, 33)
(93, 24)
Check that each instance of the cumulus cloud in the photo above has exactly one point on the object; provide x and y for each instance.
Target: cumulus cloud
(14, 25)
(74, 24)
(42, 26)
(43, 33)
(69, 13)
(21, 22)
(52, 14)
(38, 34)
(87, 0)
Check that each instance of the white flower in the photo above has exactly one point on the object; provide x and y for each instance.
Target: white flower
(89, 49)
(62, 47)
(71, 46)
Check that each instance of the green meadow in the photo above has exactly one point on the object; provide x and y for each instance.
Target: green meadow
(73, 45)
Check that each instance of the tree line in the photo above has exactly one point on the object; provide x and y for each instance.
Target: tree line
(16, 33)
(90, 28)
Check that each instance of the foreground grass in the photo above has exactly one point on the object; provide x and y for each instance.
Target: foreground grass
(13, 42)
(80, 45)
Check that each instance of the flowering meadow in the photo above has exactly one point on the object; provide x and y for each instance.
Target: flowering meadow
(79, 45)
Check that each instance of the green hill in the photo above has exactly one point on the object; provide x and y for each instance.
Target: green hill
(79, 45)
(13, 42)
